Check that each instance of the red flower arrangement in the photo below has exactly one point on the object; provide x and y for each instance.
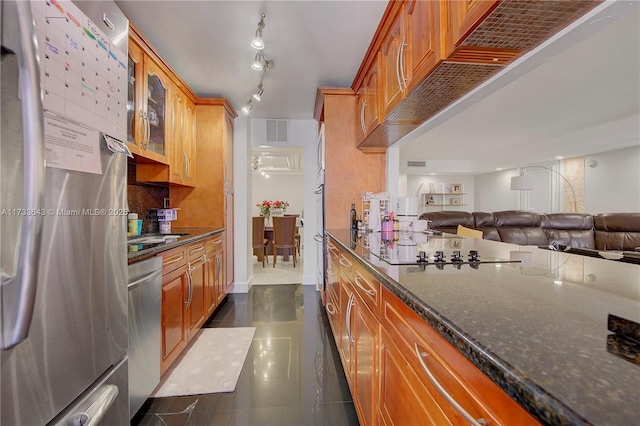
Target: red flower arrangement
(266, 206)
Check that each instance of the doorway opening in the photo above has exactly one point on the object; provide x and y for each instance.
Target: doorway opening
(277, 176)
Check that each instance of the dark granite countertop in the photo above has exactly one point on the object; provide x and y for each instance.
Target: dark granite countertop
(537, 328)
(146, 245)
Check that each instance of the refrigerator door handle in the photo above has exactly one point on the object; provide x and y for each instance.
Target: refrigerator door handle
(19, 291)
(94, 414)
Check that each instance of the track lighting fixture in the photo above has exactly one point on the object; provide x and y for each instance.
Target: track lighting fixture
(260, 63)
(247, 107)
(257, 42)
(258, 95)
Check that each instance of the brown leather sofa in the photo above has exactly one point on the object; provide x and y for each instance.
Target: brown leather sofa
(617, 231)
(607, 231)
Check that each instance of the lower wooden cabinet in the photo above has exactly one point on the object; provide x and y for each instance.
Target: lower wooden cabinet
(399, 369)
(214, 292)
(175, 288)
(196, 311)
(366, 336)
(192, 287)
(404, 399)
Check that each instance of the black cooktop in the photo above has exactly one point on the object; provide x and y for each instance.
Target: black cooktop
(426, 249)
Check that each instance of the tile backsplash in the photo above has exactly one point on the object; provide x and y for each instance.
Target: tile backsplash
(142, 197)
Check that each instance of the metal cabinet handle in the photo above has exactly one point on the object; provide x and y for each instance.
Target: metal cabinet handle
(190, 282)
(147, 277)
(94, 414)
(398, 67)
(347, 264)
(318, 190)
(330, 308)
(148, 140)
(185, 160)
(19, 292)
(363, 123)
(318, 238)
(455, 404)
(197, 249)
(173, 261)
(350, 304)
(403, 80)
(370, 292)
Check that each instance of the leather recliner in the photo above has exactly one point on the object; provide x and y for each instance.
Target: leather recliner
(519, 227)
(569, 229)
(617, 231)
(448, 221)
(485, 222)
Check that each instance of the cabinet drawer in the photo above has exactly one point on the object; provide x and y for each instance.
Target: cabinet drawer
(368, 289)
(431, 355)
(213, 244)
(173, 259)
(347, 264)
(195, 250)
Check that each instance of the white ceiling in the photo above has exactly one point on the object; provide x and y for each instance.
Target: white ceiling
(578, 95)
(278, 160)
(312, 43)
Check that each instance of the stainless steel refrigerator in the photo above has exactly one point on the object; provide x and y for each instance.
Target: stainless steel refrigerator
(63, 225)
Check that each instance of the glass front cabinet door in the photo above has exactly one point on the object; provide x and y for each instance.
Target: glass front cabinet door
(146, 106)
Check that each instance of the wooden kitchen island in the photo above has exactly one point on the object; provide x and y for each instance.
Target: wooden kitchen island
(524, 341)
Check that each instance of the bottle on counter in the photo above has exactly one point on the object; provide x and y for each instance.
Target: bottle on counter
(353, 219)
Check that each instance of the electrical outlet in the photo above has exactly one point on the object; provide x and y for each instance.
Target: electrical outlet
(165, 203)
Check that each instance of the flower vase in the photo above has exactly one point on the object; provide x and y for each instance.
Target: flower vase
(268, 221)
(276, 211)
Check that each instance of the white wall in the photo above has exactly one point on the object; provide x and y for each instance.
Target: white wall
(613, 186)
(284, 187)
(241, 207)
(493, 192)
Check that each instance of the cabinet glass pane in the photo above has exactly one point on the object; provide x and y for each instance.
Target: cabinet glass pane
(131, 102)
(156, 106)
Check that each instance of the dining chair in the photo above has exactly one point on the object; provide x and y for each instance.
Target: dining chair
(284, 236)
(297, 231)
(259, 241)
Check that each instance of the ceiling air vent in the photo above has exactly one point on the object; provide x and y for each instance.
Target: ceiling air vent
(277, 131)
(416, 163)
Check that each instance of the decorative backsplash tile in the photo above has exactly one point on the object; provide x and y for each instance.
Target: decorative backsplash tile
(142, 197)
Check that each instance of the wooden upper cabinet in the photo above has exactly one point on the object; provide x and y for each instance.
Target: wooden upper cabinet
(177, 160)
(422, 52)
(228, 151)
(156, 84)
(361, 127)
(459, 18)
(182, 164)
(392, 59)
(147, 107)
(368, 113)
(134, 97)
(189, 142)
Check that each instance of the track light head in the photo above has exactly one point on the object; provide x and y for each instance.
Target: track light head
(259, 63)
(257, 42)
(258, 94)
(247, 107)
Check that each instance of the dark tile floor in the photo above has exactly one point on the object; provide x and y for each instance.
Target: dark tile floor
(292, 374)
